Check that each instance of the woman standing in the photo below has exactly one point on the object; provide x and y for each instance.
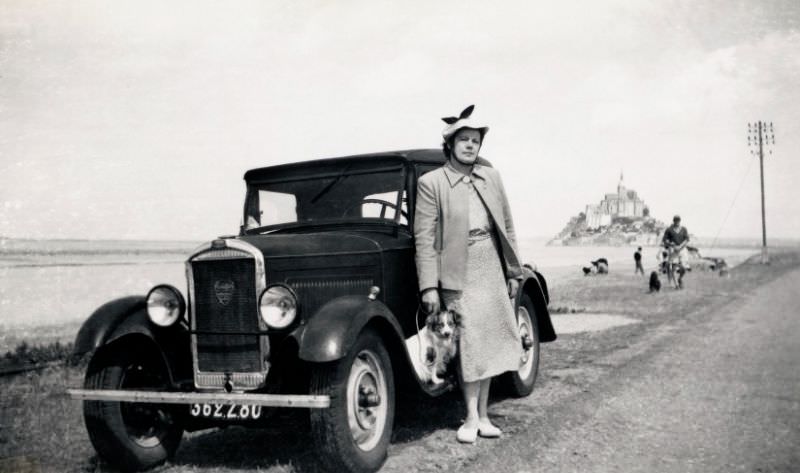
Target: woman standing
(467, 261)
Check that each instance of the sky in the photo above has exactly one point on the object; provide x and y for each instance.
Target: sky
(137, 120)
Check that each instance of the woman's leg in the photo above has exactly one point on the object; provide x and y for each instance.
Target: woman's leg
(485, 426)
(471, 399)
(468, 432)
(483, 399)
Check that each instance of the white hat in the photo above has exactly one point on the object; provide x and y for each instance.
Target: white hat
(462, 121)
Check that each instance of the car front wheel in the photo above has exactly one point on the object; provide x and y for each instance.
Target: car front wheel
(131, 436)
(353, 434)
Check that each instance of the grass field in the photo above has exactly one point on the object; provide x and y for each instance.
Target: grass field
(42, 430)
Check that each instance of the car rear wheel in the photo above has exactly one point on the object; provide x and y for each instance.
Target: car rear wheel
(353, 434)
(131, 436)
(520, 383)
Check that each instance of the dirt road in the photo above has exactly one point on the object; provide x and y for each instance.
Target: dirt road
(722, 396)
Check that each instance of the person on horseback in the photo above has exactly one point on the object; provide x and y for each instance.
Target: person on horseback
(675, 239)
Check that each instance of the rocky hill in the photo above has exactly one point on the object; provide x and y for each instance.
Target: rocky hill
(622, 231)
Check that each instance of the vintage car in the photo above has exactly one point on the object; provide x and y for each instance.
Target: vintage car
(313, 305)
(696, 261)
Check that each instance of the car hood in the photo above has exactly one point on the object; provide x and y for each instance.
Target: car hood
(308, 244)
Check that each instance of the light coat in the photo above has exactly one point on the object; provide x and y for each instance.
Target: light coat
(441, 225)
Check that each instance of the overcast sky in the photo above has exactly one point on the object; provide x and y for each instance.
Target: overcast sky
(139, 119)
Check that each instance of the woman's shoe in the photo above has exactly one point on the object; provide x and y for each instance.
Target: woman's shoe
(489, 431)
(467, 434)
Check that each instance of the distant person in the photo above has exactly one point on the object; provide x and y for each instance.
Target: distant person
(637, 257)
(676, 237)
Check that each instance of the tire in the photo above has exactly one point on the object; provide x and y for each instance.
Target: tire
(353, 434)
(130, 436)
(520, 383)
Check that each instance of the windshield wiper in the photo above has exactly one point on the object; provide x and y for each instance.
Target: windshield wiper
(330, 186)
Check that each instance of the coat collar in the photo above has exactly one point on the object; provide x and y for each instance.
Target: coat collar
(454, 177)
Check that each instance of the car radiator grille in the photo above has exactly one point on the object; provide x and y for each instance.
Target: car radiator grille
(222, 313)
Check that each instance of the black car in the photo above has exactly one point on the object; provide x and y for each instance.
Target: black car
(313, 305)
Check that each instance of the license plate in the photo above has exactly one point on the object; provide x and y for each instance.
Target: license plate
(226, 411)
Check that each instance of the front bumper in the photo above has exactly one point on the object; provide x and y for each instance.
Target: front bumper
(158, 397)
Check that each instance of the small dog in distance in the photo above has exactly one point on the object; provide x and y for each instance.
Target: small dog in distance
(655, 283)
(442, 342)
(600, 265)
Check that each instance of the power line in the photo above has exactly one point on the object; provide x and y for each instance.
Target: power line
(736, 196)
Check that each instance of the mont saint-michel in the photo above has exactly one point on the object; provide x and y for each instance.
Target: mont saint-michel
(621, 218)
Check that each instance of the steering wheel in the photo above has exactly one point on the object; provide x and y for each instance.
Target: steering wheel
(384, 205)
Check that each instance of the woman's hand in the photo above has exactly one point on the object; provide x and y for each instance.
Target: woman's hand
(513, 287)
(430, 301)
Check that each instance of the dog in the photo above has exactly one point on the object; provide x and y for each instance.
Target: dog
(587, 271)
(600, 265)
(442, 341)
(655, 283)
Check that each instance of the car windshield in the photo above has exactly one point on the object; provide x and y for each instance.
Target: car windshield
(328, 193)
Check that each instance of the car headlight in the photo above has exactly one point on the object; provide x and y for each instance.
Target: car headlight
(165, 305)
(278, 306)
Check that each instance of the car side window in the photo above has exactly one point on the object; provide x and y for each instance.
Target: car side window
(383, 205)
(273, 207)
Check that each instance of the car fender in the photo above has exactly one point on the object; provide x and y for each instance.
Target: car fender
(126, 319)
(97, 329)
(543, 286)
(535, 286)
(328, 334)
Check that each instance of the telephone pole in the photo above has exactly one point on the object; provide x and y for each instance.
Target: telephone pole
(761, 135)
